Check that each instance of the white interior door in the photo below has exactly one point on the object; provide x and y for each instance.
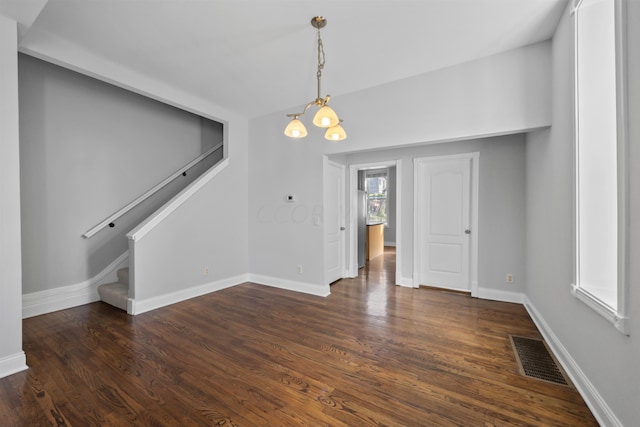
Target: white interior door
(443, 196)
(334, 222)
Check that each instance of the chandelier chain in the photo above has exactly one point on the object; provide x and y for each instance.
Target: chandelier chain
(321, 59)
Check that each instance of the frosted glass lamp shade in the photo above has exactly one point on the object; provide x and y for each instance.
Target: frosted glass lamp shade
(295, 129)
(335, 133)
(325, 117)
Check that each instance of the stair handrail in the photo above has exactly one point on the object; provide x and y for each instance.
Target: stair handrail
(109, 221)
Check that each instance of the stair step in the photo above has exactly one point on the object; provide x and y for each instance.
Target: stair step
(123, 276)
(115, 294)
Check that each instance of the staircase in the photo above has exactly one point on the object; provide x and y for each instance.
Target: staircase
(116, 293)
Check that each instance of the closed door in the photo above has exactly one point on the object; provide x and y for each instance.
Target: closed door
(334, 222)
(443, 186)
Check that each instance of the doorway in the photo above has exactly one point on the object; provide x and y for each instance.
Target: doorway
(394, 205)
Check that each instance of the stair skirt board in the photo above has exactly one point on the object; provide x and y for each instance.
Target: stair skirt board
(50, 300)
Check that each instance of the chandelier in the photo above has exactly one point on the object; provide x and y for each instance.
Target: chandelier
(325, 117)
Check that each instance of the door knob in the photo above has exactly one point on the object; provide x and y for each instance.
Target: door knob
(467, 231)
(342, 228)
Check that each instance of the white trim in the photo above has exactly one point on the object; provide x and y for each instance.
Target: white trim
(290, 285)
(618, 316)
(595, 402)
(13, 364)
(404, 281)
(500, 295)
(50, 300)
(352, 256)
(624, 239)
(475, 225)
(416, 243)
(398, 220)
(392, 244)
(621, 323)
(139, 306)
(575, 4)
(474, 158)
(158, 216)
(95, 229)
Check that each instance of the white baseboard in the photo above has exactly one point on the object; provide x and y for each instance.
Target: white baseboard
(50, 300)
(390, 244)
(139, 306)
(404, 281)
(12, 364)
(594, 401)
(483, 293)
(37, 303)
(500, 295)
(290, 285)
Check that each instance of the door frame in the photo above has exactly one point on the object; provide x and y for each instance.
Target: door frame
(341, 214)
(352, 270)
(418, 228)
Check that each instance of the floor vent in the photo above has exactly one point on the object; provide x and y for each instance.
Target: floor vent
(535, 360)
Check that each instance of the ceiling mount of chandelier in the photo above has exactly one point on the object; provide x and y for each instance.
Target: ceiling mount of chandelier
(325, 117)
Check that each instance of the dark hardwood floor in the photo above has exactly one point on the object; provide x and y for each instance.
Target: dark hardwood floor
(372, 353)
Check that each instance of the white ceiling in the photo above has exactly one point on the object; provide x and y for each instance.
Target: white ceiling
(259, 56)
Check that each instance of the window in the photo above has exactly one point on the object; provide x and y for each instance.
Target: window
(600, 170)
(375, 184)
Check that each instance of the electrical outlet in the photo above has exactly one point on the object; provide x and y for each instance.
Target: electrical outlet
(509, 278)
(205, 272)
(299, 269)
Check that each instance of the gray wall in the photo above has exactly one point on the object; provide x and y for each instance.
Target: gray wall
(501, 94)
(501, 204)
(87, 149)
(606, 357)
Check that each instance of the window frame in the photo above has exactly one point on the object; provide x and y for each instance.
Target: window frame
(618, 316)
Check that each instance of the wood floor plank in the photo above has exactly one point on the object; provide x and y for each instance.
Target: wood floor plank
(371, 353)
